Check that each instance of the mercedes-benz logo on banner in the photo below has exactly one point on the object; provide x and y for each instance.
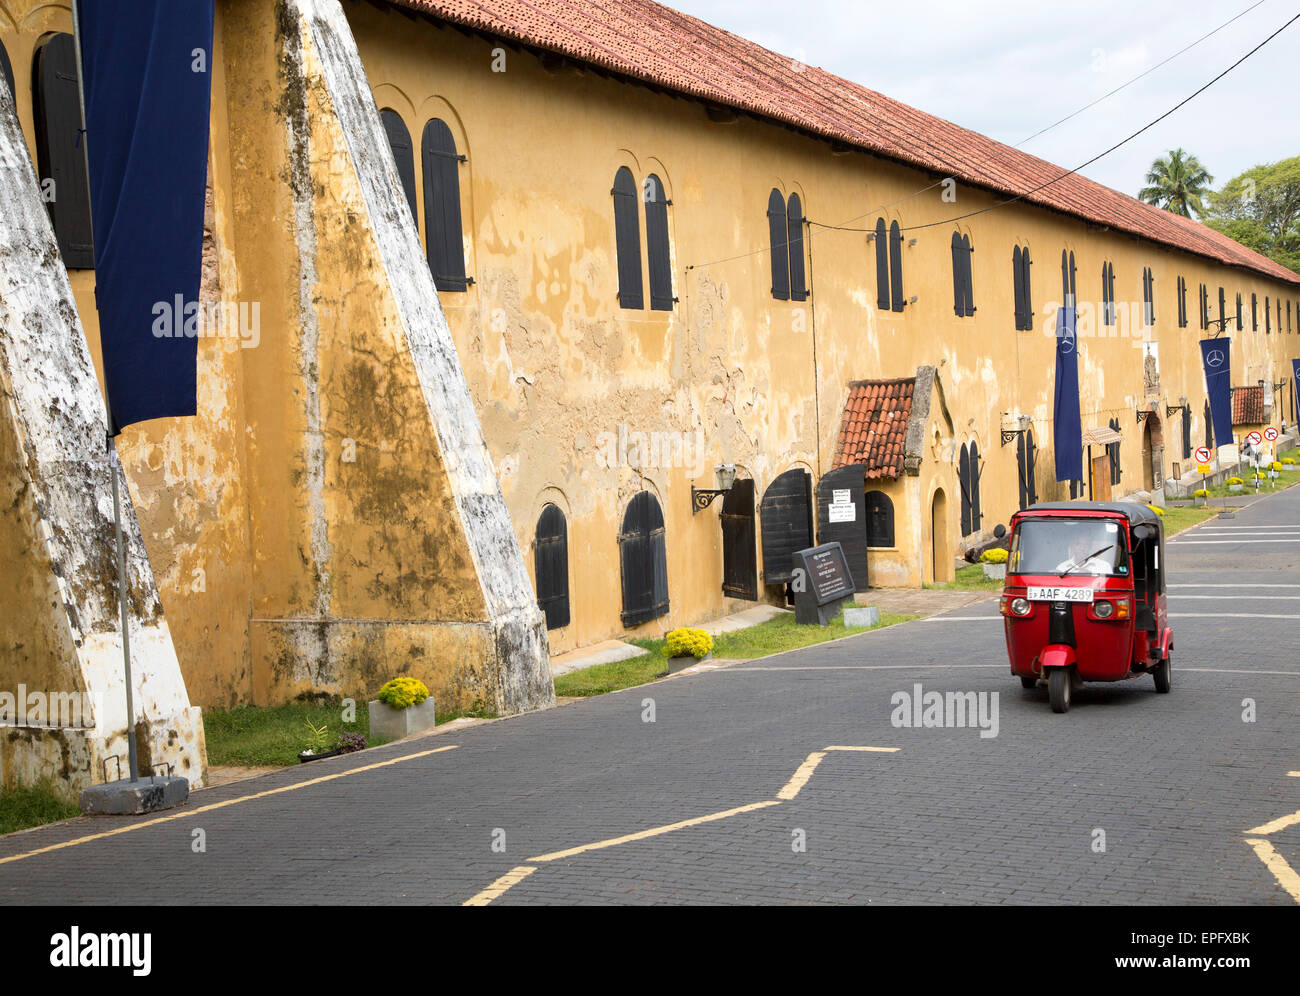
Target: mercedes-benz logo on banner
(1215, 357)
(1067, 340)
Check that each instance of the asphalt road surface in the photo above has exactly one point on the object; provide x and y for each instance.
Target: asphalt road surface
(731, 795)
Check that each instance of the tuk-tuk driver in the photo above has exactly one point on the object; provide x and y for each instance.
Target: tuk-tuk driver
(1083, 560)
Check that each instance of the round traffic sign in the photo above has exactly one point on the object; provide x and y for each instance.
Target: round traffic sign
(1270, 434)
(1254, 438)
(1202, 454)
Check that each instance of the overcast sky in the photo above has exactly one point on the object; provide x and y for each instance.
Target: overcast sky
(1011, 67)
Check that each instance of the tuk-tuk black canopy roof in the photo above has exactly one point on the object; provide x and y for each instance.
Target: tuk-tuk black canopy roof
(1132, 511)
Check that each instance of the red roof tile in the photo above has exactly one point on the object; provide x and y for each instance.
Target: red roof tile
(1248, 405)
(654, 44)
(874, 425)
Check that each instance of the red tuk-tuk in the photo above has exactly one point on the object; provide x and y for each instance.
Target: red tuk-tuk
(1084, 598)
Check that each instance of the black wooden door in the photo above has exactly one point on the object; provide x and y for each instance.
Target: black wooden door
(551, 565)
(642, 555)
(787, 524)
(739, 556)
(847, 485)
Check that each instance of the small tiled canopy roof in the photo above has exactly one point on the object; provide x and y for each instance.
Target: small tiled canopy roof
(874, 426)
(1248, 405)
(652, 44)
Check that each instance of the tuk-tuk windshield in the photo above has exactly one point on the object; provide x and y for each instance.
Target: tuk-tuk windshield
(1073, 547)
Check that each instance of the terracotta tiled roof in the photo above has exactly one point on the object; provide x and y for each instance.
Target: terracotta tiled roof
(874, 425)
(654, 44)
(1248, 405)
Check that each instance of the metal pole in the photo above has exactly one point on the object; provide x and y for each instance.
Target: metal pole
(114, 464)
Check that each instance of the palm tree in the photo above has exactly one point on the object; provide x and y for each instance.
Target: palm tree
(1176, 183)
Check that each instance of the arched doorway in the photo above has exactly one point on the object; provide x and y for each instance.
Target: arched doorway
(1153, 454)
(940, 543)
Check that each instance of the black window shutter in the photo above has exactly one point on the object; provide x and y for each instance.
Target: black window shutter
(779, 233)
(627, 240)
(1031, 453)
(958, 279)
(60, 156)
(1209, 426)
(643, 559)
(1026, 285)
(976, 515)
(399, 142)
(1074, 286)
(1223, 311)
(895, 266)
(445, 247)
(963, 479)
(7, 73)
(1187, 432)
(1105, 295)
(1239, 310)
(1021, 470)
(794, 226)
(739, 542)
(656, 239)
(882, 265)
(1018, 282)
(551, 565)
(970, 279)
(1268, 313)
(1065, 287)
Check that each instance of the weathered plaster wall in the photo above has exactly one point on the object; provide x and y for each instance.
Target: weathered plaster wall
(554, 363)
(60, 625)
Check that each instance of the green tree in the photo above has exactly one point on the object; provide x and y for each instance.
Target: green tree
(1177, 182)
(1261, 210)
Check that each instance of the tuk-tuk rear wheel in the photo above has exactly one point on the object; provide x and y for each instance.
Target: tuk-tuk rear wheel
(1163, 673)
(1059, 683)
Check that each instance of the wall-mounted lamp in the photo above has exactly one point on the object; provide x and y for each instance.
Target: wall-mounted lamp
(702, 498)
(912, 299)
(911, 243)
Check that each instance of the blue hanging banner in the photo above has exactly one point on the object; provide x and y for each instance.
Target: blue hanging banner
(1216, 358)
(1067, 428)
(145, 66)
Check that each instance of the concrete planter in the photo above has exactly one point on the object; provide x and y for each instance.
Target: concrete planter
(1201, 502)
(394, 724)
(1234, 488)
(681, 663)
(997, 572)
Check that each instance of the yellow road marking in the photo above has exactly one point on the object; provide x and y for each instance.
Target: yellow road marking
(498, 888)
(654, 831)
(187, 813)
(1276, 825)
(882, 750)
(800, 778)
(1283, 872)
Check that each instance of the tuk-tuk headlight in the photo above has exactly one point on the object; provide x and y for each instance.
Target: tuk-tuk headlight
(1021, 606)
(1104, 610)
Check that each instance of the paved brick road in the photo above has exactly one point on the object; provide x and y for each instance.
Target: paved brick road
(1173, 780)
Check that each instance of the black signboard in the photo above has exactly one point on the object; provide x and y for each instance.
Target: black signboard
(822, 580)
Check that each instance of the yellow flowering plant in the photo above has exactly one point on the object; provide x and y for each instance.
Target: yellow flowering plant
(995, 556)
(1157, 509)
(402, 693)
(1200, 493)
(685, 641)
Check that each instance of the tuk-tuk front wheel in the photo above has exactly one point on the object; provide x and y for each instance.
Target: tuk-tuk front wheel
(1059, 683)
(1163, 673)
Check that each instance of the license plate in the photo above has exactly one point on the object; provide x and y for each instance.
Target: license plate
(1044, 594)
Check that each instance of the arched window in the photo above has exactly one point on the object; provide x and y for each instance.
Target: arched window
(399, 141)
(1026, 459)
(1108, 293)
(1254, 312)
(1209, 426)
(551, 566)
(59, 155)
(1148, 296)
(963, 293)
(1223, 312)
(656, 238)
(895, 266)
(1205, 307)
(963, 479)
(7, 73)
(779, 233)
(1182, 302)
(880, 520)
(444, 238)
(1113, 450)
(1187, 432)
(1240, 311)
(1068, 284)
(976, 515)
(882, 265)
(1020, 276)
(1268, 311)
(644, 561)
(794, 229)
(627, 240)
